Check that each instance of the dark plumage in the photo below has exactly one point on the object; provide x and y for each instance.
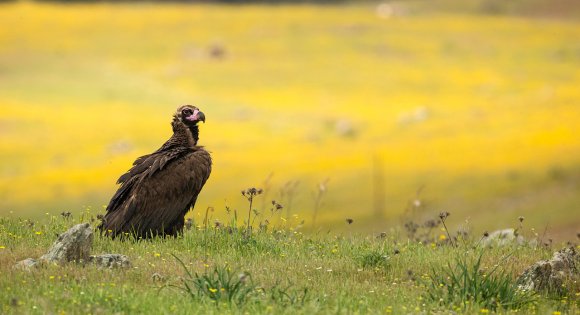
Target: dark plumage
(161, 187)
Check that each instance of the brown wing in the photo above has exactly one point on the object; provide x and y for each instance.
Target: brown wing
(157, 192)
(144, 166)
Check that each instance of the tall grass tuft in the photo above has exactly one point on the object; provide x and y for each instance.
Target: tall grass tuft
(223, 285)
(465, 283)
(373, 259)
(219, 285)
(286, 296)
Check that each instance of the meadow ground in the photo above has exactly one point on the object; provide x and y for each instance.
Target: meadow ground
(481, 110)
(221, 269)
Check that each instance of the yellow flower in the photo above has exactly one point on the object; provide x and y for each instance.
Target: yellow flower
(2, 247)
(442, 237)
(51, 277)
(38, 233)
(212, 290)
(157, 255)
(484, 311)
(556, 313)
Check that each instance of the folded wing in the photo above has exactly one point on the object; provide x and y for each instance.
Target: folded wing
(157, 192)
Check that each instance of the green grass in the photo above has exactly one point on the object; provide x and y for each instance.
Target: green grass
(225, 270)
(463, 282)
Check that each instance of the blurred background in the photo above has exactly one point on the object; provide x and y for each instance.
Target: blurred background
(372, 111)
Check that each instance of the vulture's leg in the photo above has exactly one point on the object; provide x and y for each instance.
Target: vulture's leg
(176, 227)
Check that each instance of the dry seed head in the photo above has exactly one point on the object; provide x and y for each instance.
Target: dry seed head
(521, 219)
(349, 220)
(431, 223)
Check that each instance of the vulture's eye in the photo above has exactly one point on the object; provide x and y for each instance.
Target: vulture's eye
(187, 112)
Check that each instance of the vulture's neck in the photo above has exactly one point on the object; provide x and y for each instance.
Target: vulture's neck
(183, 136)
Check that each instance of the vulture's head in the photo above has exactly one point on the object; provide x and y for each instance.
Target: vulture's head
(189, 115)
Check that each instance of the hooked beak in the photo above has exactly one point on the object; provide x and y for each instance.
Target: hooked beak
(201, 116)
(196, 116)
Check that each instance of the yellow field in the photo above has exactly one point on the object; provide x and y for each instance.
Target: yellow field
(480, 110)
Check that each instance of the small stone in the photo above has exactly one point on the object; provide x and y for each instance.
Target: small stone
(73, 245)
(157, 277)
(344, 128)
(502, 237)
(110, 261)
(26, 264)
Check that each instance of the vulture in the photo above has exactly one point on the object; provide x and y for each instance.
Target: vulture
(161, 187)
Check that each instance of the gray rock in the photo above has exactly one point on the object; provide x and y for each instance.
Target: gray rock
(551, 275)
(110, 261)
(73, 245)
(502, 238)
(26, 264)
